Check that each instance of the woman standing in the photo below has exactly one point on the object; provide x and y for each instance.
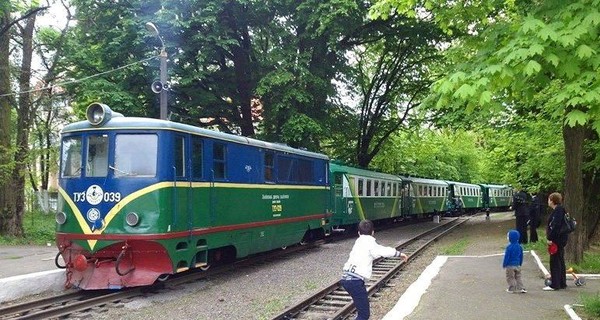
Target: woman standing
(554, 235)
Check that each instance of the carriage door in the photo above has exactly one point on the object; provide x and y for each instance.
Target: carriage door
(407, 199)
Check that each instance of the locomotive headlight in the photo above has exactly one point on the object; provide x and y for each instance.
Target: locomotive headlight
(99, 113)
(96, 112)
(132, 219)
(60, 217)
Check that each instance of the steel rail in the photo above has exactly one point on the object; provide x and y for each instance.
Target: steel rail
(333, 302)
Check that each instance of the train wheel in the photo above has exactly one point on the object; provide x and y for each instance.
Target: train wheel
(284, 247)
(205, 267)
(163, 277)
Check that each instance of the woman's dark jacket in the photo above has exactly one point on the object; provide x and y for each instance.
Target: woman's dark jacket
(555, 224)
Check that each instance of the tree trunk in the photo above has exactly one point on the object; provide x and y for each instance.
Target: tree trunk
(574, 138)
(7, 193)
(241, 60)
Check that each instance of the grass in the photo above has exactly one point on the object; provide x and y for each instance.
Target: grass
(591, 304)
(39, 229)
(270, 307)
(457, 248)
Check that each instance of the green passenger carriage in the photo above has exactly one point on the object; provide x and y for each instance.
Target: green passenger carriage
(423, 197)
(359, 194)
(496, 197)
(467, 196)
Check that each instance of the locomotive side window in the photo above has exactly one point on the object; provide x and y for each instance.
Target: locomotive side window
(71, 157)
(305, 171)
(179, 156)
(196, 157)
(219, 160)
(97, 156)
(135, 155)
(269, 166)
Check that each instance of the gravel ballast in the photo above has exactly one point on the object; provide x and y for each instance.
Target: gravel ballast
(263, 291)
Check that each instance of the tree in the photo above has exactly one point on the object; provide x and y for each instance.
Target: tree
(13, 160)
(393, 74)
(537, 54)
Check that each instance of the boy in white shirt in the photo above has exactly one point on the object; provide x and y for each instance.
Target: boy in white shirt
(358, 268)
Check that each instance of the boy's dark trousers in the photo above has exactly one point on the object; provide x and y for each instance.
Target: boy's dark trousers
(357, 290)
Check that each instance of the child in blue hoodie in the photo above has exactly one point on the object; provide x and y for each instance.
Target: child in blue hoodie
(513, 259)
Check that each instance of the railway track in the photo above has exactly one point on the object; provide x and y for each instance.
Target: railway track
(333, 302)
(81, 302)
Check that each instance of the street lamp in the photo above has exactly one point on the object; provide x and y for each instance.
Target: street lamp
(161, 87)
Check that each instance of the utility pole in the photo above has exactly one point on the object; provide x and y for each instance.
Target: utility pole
(161, 87)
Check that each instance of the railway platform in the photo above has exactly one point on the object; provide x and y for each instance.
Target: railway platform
(28, 270)
(474, 287)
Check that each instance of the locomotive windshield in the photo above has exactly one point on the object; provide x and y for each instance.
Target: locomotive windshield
(71, 157)
(97, 156)
(135, 155)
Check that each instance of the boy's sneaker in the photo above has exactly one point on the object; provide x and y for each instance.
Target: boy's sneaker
(548, 288)
(523, 291)
(508, 290)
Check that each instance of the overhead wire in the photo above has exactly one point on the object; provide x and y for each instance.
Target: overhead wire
(60, 84)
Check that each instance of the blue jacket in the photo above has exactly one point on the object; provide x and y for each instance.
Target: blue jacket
(513, 255)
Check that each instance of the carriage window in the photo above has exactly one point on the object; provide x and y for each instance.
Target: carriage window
(368, 188)
(179, 156)
(135, 155)
(71, 157)
(361, 191)
(376, 188)
(97, 156)
(269, 166)
(219, 160)
(389, 189)
(196, 158)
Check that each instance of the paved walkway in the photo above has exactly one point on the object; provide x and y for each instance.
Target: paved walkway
(28, 270)
(459, 287)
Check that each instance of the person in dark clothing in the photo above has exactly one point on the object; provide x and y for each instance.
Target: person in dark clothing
(521, 214)
(535, 218)
(554, 235)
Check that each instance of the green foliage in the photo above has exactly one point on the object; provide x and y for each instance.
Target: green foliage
(39, 230)
(590, 263)
(436, 154)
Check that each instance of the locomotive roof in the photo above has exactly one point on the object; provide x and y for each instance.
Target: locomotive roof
(134, 123)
